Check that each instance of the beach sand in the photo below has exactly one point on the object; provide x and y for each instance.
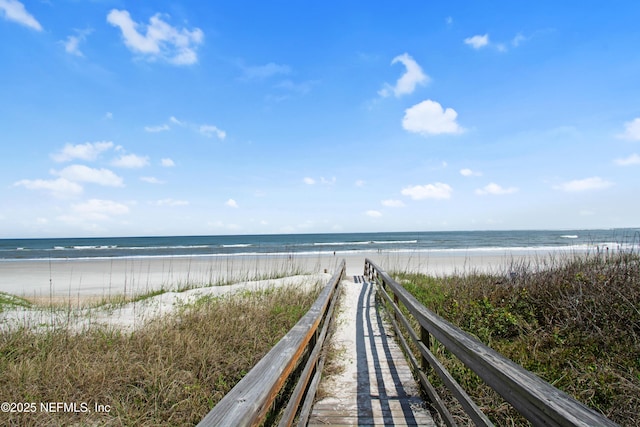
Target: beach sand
(73, 285)
(60, 279)
(79, 315)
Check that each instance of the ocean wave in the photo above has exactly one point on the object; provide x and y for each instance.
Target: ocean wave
(435, 243)
(93, 247)
(470, 251)
(366, 242)
(395, 242)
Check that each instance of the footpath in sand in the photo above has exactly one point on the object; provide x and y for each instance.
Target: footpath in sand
(374, 386)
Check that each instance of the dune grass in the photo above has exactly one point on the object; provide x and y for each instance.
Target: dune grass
(172, 371)
(9, 301)
(572, 320)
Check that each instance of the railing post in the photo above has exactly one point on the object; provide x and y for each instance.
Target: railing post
(395, 301)
(425, 337)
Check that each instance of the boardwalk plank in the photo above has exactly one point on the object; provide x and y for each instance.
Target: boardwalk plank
(376, 386)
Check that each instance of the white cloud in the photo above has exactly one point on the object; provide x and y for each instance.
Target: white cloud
(72, 44)
(260, 72)
(633, 159)
(373, 214)
(151, 180)
(469, 172)
(407, 83)
(108, 115)
(205, 129)
(482, 41)
(586, 184)
(167, 163)
(131, 161)
(15, 11)
(231, 203)
(155, 129)
(210, 130)
(632, 130)
(88, 151)
(495, 189)
(519, 38)
(173, 120)
(81, 173)
(97, 209)
(160, 40)
(326, 181)
(428, 118)
(477, 41)
(428, 191)
(360, 183)
(60, 188)
(393, 203)
(298, 88)
(171, 202)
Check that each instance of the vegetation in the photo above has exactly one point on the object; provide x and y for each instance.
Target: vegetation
(170, 372)
(8, 301)
(574, 321)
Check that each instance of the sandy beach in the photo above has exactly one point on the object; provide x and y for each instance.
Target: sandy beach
(98, 278)
(86, 278)
(76, 284)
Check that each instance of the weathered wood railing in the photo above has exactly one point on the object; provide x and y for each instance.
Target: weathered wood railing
(294, 359)
(538, 401)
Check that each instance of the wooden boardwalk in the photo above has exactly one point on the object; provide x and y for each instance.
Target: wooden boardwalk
(376, 386)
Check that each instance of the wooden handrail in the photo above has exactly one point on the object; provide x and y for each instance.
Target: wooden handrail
(538, 401)
(253, 397)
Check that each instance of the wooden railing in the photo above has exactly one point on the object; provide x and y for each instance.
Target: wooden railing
(295, 359)
(538, 401)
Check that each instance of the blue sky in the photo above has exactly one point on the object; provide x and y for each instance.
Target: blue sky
(165, 118)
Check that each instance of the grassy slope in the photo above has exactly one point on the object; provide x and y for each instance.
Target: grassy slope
(171, 372)
(574, 321)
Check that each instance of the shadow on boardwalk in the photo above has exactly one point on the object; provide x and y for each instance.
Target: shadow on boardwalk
(376, 387)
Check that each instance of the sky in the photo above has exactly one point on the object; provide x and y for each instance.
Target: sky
(135, 118)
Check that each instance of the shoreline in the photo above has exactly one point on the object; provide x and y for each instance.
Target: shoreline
(103, 277)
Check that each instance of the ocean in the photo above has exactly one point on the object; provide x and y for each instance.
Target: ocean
(431, 242)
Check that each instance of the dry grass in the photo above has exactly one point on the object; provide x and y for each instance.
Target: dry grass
(572, 320)
(170, 372)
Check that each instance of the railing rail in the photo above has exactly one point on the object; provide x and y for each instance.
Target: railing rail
(296, 357)
(537, 400)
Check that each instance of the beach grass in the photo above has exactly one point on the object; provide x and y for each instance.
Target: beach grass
(574, 320)
(170, 371)
(122, 281)
(10, 301)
